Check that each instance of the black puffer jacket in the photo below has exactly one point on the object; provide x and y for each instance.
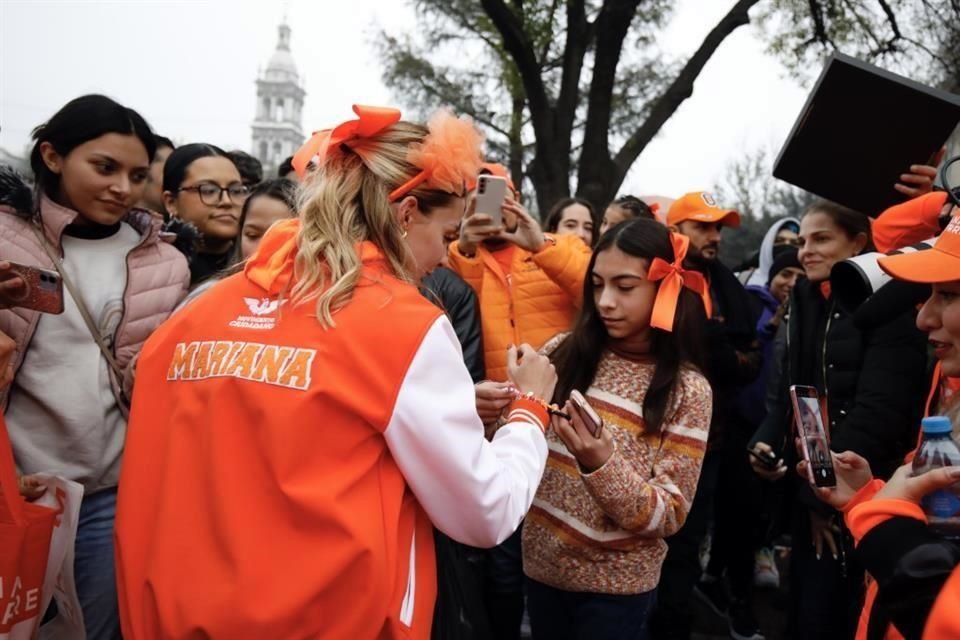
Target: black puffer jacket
(875, 380)
(448, 291)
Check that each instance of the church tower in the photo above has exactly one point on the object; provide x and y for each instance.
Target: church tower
(277, 131)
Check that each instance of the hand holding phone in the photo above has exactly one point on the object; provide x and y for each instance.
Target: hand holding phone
(814, 440)
(30, 287)
(491, 192)
(590, 418)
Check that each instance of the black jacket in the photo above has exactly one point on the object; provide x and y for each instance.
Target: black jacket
(875, 380)
(733, 357)
(910, 564)
(448, 291)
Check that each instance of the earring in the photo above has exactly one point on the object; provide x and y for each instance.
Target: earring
(404, 234)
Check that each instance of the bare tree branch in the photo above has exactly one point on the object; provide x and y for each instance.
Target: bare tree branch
(519, 47)
(614, 22)
(573, 54)
(681, 88)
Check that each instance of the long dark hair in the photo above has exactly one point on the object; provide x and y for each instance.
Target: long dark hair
(81, 120)
(178, 163)
(578, 357)
(279, 189)
(555, 215)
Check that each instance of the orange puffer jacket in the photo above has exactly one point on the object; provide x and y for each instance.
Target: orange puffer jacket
(535, 301)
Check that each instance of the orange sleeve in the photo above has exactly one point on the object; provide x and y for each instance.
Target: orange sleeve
(943, 621)
(565, 262)
(867, 515)
(908, 223)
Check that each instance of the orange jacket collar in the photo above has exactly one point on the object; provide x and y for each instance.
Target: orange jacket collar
(272, 266)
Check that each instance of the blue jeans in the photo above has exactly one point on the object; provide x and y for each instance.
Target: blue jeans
(93, 566)
(570, 615)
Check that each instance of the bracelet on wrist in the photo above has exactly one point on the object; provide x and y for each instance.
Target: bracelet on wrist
(551, 408)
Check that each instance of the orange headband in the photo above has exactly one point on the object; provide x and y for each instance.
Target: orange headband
(371, 121)
(675, 277)
(448, 156)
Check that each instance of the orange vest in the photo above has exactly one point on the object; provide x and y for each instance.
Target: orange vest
(258, 498)
(534, 301)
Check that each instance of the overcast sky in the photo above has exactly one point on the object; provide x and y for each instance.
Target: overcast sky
(189, 66)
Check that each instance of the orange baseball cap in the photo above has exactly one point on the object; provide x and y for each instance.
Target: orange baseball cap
(940, 263)
(493, 169)
(702, 207)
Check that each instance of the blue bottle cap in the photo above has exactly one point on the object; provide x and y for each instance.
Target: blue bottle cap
(937, 424)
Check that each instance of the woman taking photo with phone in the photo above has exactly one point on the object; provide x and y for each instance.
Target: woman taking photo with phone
(916, 569)
(614, 488)
(872, 381)
(66, 408)
(346, 425)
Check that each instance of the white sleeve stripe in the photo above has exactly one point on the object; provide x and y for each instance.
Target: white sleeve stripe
(477, 492)
(528, 416)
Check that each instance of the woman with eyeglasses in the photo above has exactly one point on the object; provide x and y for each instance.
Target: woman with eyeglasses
(65, 410)
(202, 186)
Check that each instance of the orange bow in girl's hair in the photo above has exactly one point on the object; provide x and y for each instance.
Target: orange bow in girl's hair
(674, 277)
(370, 122)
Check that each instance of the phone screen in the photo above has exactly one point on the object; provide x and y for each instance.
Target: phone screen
(814, 440)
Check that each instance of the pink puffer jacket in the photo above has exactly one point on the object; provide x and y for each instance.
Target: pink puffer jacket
(157, 278)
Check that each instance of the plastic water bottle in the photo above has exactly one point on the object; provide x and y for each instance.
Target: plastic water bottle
(939, 450)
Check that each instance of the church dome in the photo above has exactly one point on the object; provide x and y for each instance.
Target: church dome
(281, 66)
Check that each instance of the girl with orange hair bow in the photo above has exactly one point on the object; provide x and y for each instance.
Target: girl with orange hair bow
(345, 427)
(614, 488)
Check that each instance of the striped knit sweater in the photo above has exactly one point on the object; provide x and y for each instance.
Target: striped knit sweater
(602, 532)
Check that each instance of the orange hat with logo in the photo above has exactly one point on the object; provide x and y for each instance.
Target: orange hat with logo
(940, 263)
(493, 169)
(702, 207)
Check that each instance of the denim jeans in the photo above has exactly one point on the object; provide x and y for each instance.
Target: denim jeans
(94, 568)
(569, 615)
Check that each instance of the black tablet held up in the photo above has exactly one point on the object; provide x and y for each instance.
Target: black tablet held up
(860, 129)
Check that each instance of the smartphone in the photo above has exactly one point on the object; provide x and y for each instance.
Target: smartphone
(590, 417)
(491, 190)
(814, 440)
(43, 291)
(769, 459)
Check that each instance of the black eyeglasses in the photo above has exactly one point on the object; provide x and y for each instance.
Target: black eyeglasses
(211, 193)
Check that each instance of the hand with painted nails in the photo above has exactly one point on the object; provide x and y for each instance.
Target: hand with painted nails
(492, 399)
(531, 372)
(906, 486)
(852, 472)
(765, 462)
(825, 533)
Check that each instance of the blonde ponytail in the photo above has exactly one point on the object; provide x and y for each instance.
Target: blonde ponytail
(345, 202)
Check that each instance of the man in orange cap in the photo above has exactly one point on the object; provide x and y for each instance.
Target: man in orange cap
(733, 361)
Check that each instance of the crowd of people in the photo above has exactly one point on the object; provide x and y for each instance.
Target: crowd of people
(342, 403)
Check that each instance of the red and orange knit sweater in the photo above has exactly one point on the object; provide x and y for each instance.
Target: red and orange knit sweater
(603, 532)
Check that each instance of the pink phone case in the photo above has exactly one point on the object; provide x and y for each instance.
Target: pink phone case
(43, 291)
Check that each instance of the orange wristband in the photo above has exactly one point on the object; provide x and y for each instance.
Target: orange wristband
(529, 410)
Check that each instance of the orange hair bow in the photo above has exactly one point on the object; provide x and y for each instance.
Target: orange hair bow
(370, 122)
(675, 277)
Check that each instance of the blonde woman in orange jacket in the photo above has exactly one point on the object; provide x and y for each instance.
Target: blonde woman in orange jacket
(297, 430)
